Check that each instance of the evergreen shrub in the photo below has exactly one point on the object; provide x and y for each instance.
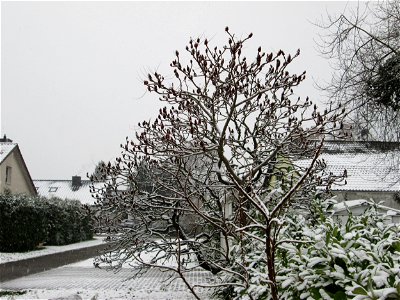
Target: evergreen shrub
(27, 221)
(323, 258)
(67, 222)
(22, 223)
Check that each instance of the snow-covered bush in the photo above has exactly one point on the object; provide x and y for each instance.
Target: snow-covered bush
(322, 259)
(22, 222)
(27, 221)
(67, 222)
(359, 259)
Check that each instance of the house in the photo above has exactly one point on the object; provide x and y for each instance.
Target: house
(372, 170)
(358, 208)
(74, 189)
(14, 174)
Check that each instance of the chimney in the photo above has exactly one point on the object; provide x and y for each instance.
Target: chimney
(5, 140)
(76, 182)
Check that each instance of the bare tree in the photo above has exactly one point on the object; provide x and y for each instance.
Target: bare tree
(364, 45)
(215, 170)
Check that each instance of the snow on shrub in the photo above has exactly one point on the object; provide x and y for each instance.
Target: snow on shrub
(27, 221)
(67, 222)
(22, 223)
(356, 260)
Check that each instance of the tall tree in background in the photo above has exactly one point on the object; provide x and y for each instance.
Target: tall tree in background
(364, 46)
(214, 173)
(99, 170)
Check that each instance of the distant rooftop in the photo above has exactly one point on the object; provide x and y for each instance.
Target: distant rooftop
(365, 171)
(4, 139)
(371, 166)
(66, 189)
(344, 146)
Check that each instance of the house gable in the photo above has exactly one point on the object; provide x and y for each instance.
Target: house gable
(14, 175)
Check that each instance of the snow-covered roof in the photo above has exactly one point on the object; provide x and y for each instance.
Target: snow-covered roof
(365, 172)
(63, 189)
(5, 149)
(371, 166)
(342, 206)
(344, 146)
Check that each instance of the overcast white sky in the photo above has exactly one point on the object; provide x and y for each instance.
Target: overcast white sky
(71, 73)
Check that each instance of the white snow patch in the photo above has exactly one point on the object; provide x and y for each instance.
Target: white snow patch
(15, 256)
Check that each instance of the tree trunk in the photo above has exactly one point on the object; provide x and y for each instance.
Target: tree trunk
(270, 252)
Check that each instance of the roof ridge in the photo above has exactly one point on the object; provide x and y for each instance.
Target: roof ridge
(359, 141)
(58, 180)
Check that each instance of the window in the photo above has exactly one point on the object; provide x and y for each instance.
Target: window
(8, 175)
(53, 189)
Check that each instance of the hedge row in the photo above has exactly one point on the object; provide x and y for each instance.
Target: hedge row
(27, 221)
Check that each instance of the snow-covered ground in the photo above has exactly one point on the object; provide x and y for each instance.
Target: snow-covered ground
(82, 280)
(7, 257)
(100, 294)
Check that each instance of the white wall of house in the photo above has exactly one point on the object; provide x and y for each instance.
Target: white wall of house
(388, 197)
(343, 216)
(16, 181)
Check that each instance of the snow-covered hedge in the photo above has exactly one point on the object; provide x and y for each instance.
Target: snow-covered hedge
(27, 221)
(356, 260)
(67, 222)
(22, 222)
